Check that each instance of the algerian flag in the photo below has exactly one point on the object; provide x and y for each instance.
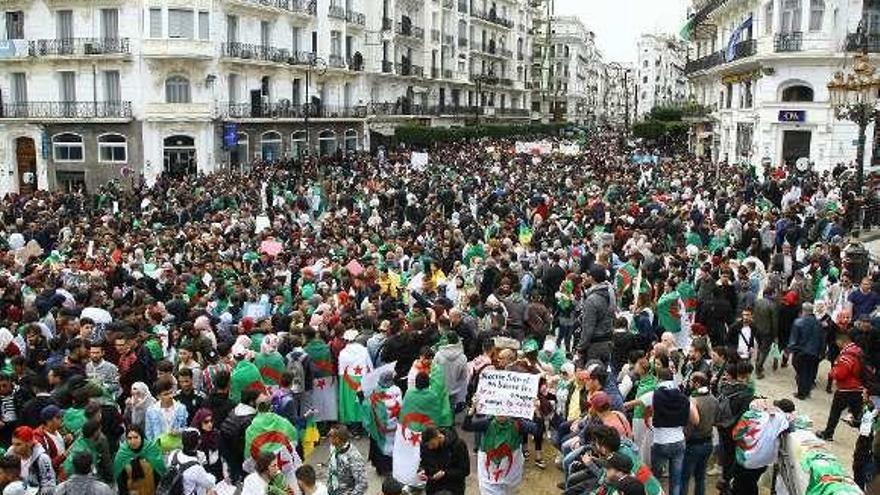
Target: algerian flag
(827, 475)
(688, 295)
(640, 470)
(244, 376)
(271, 366)
(269, 432)
(324, 382)
(73, 420)
(821, 288)
(380, 411)
(354, 363)
(525, 234)
(500, 459)
(626, 274)
(81, 444)
(421, 408)
(668, 312)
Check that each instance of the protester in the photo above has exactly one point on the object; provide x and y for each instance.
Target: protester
(82, 480)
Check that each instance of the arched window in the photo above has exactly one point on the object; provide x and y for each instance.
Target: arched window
(327, 143)
(797, 92)
(112, 148)
(817, 12)
(67, 147)
(270, 145)
(177, 90)
(351, 140)
(298, 143)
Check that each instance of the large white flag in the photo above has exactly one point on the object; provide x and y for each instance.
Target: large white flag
(324, 398)
(501, 474)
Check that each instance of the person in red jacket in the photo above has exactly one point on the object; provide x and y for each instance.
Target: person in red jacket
(847, 374)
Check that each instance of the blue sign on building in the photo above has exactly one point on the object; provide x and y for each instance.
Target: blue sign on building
(230, 135)
(792, 115)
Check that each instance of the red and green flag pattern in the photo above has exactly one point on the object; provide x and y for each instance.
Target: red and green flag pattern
(271, 366)
(245, 376)
(668, 312)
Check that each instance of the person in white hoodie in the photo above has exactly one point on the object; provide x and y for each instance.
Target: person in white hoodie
(455, 367)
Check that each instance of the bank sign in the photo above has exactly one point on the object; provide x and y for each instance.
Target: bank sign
(792, 116)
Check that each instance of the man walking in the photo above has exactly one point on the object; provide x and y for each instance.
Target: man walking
(597, 317)
(805, 345)
(847, 373)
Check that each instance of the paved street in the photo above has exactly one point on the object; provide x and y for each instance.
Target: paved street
(777, 385)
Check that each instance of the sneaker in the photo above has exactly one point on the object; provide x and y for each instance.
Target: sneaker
(824, 436)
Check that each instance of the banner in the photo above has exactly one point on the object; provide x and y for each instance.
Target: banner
(534, 148)
(569, 149)
(418, 160)
(507, 393)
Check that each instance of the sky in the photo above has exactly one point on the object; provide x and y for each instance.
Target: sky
(618, 23)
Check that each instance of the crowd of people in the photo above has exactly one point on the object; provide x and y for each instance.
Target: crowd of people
(209, 333)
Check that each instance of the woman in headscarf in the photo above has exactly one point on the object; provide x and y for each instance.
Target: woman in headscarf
(136, 406)
(209, 442)
(381, 408)
(269, 361)
(138, 465)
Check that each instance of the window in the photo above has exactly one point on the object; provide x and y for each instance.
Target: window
(296, 96)
(19, 87)
(327, 143)
(110, 24)
(112, 91)
(797, 93)
(67, 86)
(270, 145)
(298, 143)
(729, 91)
(180, 24)
(232, 28)
(232, 86)
(177, 90)
(265, 33)
(817, 12)
(351, 140)
(64, 24)
(768, 17)
(335, 43)
(295, 35)
(155, 23)
(15, 25)
(204, 25)
(67, 147)
(112, 148)
(791, 16)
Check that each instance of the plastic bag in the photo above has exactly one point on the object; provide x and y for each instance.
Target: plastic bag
(774, 353)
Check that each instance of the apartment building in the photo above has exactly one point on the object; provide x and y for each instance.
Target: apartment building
(660, 72)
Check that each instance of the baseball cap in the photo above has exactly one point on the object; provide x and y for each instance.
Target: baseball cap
(49, 412)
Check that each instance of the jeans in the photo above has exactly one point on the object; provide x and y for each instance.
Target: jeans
(848, 399)
(671, 454)
(696, 455)
(806, 366)
(564, 337)
(745, 481)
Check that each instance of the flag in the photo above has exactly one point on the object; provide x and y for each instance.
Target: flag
(688, 296)
(73, 420)
(245, 376)
(380, 411)
(269, 432)
(81, 444)
(641, 471)
(827, 475)
(149, 452)
(735, 38)
(421, 408)
(271, 366)
(668, 312)
(525, 234)
(624, 278)
(354, 363)
(324, 381)
(500, 459)
(693, 239)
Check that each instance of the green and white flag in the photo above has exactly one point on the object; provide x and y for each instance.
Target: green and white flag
(354, 363)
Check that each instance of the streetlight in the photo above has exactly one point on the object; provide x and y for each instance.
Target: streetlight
(854, 98)
(480, 79)
(319, 65)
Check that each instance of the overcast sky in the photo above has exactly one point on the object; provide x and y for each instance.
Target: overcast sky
(618, 23)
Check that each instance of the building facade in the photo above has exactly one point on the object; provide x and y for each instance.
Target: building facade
(762, 69)
(619, 90)
(660, 72)
(92, 91)
(568, 72)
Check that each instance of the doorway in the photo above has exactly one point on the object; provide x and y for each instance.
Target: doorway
(795, 144)
(26, 161)
(179, 156)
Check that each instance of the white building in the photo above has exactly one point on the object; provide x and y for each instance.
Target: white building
(762, 67)
(660, 76)
(618, 93)
(93, 91)
(568, 72)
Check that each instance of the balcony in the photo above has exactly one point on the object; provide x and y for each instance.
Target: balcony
(247, 51)
(462, 42)
(356, 63)
(335, 61)
(462, 6)
(449, 4)
(336, 12)
(178, 111)
(492, 17)
(52, 110)
(407, 69)
(435, 35)
(505, 82)
(407, 29)
(854, 43)
(78, 47)
(744, 49)
(788, 42)
(286, 110)
(301, 7)
(387, 24)
(387, 66)
(356, 18)
(178, 48)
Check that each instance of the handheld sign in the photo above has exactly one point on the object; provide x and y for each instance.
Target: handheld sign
(507, 393)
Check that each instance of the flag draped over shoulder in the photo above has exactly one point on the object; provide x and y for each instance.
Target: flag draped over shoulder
(688, 296)
(324, 381)
(354, 363)
(640, 470)
(500, 459)
(271, 366)
(269, 432)
(624, 278)
(421, 408)
(380, 411)
(668, 314)
(149, 451)
(244, 376)
(80, 445)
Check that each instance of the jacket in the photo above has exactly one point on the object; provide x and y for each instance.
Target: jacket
(80, 485)
(232, 433)
(765, 317)
(806, 336)
(847, 368)
(347, 472)
(453, 458)
(597, 315)
(455, 368)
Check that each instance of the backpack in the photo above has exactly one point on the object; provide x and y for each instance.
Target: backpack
(726, 416)
(475, 380)
(172, 482)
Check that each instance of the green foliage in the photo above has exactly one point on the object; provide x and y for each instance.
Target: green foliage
(428, 136)
(665, 114)
(667, 121)
(650, 129)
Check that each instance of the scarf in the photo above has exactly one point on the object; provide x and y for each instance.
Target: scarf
(149, 451)
(209, 440)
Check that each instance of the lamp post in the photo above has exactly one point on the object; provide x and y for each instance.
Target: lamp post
(854, 98)
(480, 79)
(318, 65)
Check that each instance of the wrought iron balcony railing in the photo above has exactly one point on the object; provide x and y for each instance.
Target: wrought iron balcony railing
(248, 51)
(336, 12)
(493, 17)
(78, 46)
(788, 42)
(406, 69)
(407, 29)
(855, 42)
(357, 18)
(744, 49)
(36, 110)
(287, 110)
(307, 7)
(703, 63)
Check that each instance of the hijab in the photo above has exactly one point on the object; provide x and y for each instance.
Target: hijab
(209, 439)
(139, 407)
(149, 451)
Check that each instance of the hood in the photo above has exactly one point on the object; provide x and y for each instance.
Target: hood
(244, 410)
